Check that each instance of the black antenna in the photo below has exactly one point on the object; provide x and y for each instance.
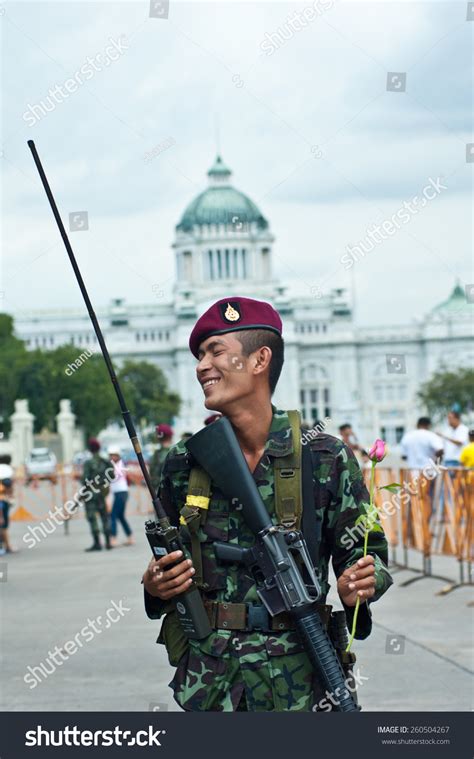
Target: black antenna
(127, 417)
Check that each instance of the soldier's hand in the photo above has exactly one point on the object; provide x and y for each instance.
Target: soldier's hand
(165, 583)
(358, 581)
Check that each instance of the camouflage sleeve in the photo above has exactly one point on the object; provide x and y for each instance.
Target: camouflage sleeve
(155, 607)
(348, 538)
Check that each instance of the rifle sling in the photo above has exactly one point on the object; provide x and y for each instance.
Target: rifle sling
(194, 513)
(310, 526)
(287, 471)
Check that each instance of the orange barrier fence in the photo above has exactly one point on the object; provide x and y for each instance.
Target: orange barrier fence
(35, 499)
(432, 513)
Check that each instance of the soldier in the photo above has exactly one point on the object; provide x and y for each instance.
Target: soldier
(164, 434)
(96, 477)
(250, 661)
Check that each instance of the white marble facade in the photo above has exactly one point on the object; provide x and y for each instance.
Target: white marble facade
(223, 245)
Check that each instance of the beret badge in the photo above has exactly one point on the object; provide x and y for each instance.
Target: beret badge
(230, 312)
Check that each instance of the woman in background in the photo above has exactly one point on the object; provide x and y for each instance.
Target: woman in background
(6, 492)
(119, 490)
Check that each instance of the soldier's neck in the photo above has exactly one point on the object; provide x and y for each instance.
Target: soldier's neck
(251, 424)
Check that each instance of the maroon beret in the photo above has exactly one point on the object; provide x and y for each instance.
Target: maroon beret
(93, 445)
(164, 430)
(231, 315)
(212, 418)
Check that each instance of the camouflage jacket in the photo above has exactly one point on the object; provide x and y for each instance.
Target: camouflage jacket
(98, 471)
(272, 668)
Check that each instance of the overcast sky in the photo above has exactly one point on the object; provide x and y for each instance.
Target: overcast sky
(309, 130)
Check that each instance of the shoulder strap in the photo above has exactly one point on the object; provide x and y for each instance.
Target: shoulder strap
(311, 527)
(288, 484)
(194, 512)
(199, 488)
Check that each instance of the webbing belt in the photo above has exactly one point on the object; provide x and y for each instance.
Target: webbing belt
(248, 617)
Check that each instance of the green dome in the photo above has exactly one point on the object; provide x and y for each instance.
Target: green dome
(456, 302)
(220, 203)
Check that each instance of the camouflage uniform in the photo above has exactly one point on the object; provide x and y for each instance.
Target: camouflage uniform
(95, 470)
(271, 669)
(156, 465)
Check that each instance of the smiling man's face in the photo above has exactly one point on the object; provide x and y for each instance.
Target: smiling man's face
(224, 373)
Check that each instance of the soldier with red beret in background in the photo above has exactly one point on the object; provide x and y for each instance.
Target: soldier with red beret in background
(212, 418)
(164, 433)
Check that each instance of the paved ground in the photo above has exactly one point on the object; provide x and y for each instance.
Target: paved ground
(418, 658)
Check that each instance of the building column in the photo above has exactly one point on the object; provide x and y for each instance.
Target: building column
(65, 422)
(21, 433)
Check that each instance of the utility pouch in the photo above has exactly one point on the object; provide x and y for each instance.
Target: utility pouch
(173, 638)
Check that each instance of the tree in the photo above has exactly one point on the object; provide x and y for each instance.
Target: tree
(146, 390)
(44, 377)
(35, 384)
(12, 352)
(447, 388)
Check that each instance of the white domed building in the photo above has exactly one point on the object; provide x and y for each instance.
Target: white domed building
(223, 246)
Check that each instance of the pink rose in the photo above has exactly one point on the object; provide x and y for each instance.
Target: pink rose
(377, 452)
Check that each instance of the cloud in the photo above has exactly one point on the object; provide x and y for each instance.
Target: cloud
(326, 87)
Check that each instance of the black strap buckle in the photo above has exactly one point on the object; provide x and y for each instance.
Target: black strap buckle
(258, 617)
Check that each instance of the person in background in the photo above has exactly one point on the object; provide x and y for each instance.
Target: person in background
(421, 447)
(164, 433)
(6, 492)
(466, 456)
(119, 490)
(348, 437)
(455, 437)
(212, 418)
(95, 480)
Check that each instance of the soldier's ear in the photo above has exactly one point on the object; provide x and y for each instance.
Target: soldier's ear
(262, 358)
